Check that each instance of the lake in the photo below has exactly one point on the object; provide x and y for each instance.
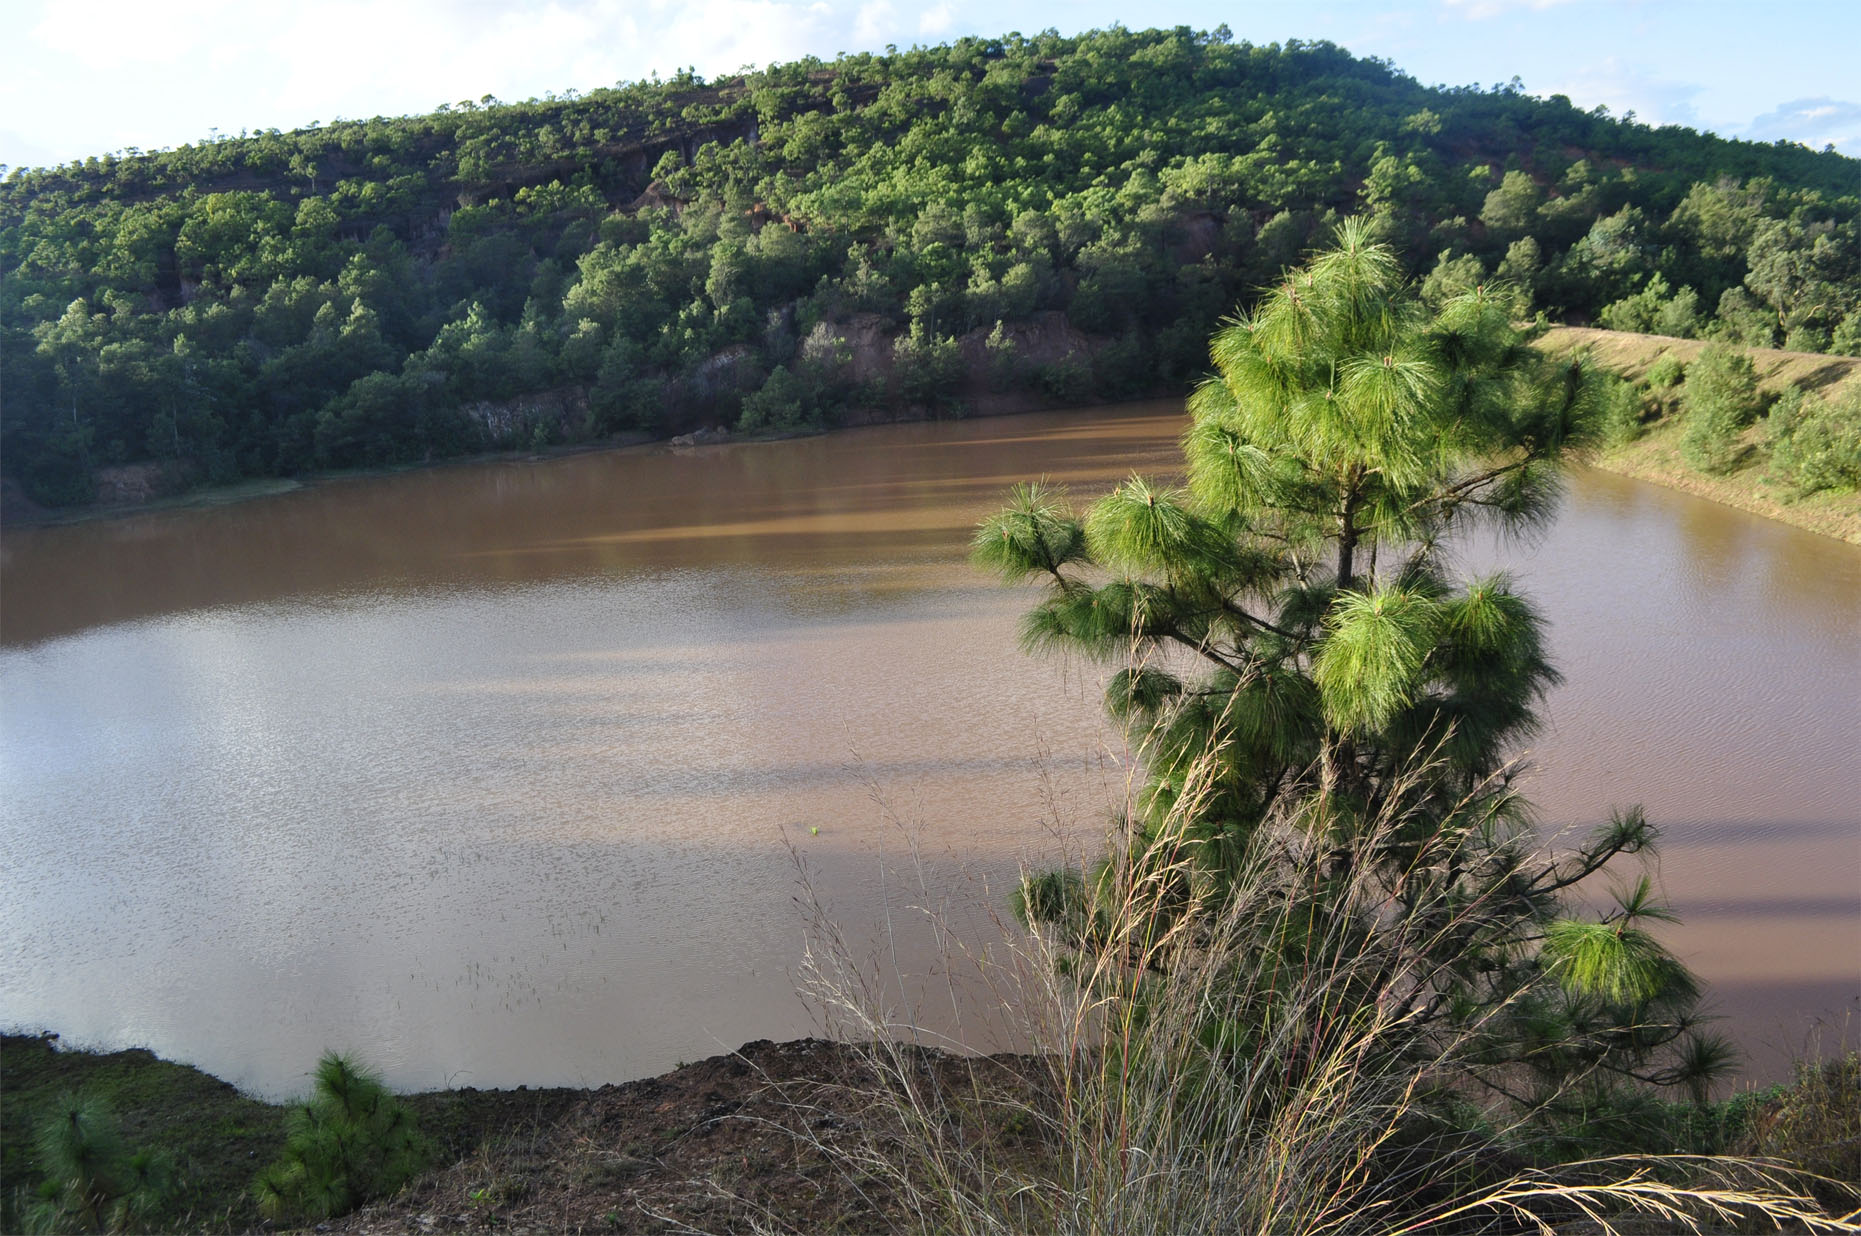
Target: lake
(510, 772)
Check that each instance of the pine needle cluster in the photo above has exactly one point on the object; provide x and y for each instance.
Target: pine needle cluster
(351, 1142)
(93, 1180)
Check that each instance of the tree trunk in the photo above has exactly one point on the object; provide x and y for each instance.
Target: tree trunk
(1347, 533)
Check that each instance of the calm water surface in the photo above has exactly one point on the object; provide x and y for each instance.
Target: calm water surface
(500, 773)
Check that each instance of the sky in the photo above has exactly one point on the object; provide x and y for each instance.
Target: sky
(84, 77)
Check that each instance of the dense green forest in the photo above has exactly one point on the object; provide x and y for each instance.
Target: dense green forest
(1026, 220)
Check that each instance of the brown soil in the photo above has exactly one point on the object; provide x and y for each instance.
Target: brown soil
(769, 1138)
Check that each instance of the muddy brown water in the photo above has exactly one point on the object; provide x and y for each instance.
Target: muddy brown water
(505, 772)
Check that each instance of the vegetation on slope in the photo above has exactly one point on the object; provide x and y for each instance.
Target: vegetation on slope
(1796, 459)
(1050, 219)
(216, 1141)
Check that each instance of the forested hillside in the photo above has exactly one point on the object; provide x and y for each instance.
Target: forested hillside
(1044, 219)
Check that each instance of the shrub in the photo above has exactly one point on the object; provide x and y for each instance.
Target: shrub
(1067, 382)
(1719, 399)
(1666, 373)
(1815, 444)
(1621, 410)
(783, 402)
(1815, 1123)
(352, 1141)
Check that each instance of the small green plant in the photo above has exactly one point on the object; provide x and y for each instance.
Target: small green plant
(93, 1181)
(1720, 398)
(1620, 410)
(1666, 373)
(352, 1141)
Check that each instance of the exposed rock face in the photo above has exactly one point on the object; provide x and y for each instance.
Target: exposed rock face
(733, 369)
(701, 437)
(131, 484)
(863, 343)
(1049, 338)
(504, 420)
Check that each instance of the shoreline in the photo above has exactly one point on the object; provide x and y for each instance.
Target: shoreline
(770, 1137)
(774, 1122)
(1652, 459)
(1654, 456)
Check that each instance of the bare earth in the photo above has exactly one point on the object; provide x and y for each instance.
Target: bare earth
(767, 1138)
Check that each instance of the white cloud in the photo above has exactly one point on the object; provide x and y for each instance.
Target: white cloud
(936, 20)
(1815, 122)
(874, 22)
(1624, 88)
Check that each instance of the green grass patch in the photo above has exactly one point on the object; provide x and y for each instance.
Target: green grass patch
(216, 1137)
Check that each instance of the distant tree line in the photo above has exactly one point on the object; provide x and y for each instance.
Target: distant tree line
(1063, 219)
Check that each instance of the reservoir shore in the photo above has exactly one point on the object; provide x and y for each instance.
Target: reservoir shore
(1654, 457)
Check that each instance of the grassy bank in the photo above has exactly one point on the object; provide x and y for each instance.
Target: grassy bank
(216, 1136)
(1655, 455)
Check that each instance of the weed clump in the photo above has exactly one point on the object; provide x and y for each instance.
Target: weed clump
(1815, 1123)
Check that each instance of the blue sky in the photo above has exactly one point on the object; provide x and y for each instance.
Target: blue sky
(81, 77)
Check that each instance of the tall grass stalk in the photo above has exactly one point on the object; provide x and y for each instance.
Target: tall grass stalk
(1247, 1060)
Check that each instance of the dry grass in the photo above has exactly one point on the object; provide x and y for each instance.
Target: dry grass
(1632, 355)
(1176, 1084)
(1815, 1122)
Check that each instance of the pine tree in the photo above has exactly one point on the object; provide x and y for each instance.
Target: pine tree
(1317, 702)
(352, 1141)
(93, 1181)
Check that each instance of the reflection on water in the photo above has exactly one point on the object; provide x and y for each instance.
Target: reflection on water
(493, 771)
